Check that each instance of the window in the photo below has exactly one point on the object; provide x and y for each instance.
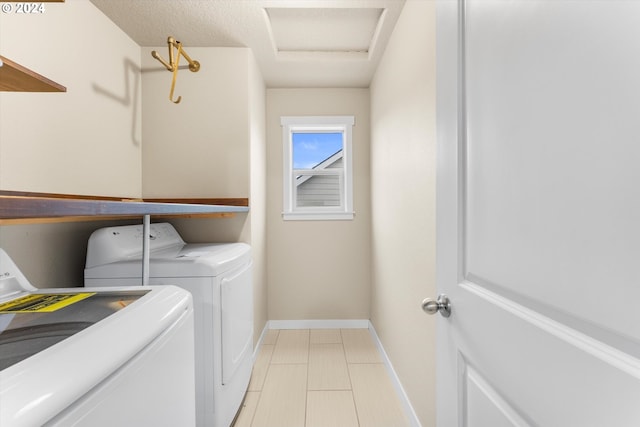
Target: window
(317, 167)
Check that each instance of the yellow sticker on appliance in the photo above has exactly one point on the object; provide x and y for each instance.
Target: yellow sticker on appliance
(42, 303)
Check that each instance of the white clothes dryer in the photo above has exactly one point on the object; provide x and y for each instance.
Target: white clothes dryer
(219, 278)
(98, 358)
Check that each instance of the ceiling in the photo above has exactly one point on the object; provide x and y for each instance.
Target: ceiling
(297, 43)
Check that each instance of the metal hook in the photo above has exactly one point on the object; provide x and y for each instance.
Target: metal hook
(173, 79)
(172, 65)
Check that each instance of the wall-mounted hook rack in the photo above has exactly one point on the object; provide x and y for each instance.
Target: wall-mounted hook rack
(174, 60)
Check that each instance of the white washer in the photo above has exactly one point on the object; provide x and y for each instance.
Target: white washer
(219, 278)
(108, 357)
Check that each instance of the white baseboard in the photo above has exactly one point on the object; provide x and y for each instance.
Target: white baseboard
(319, 324)
(397, 385)
(256, 348)
(348, 324)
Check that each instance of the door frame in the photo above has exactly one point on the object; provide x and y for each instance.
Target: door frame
(450, 178)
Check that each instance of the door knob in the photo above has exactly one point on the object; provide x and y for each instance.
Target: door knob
(442, 305)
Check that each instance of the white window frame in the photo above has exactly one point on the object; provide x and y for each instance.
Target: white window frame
(297, 124)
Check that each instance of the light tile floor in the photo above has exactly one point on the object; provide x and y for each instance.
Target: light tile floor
(320, 378)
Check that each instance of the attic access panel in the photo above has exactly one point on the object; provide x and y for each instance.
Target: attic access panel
(327, 30)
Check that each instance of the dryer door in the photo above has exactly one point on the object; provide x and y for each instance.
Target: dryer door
(236, 306)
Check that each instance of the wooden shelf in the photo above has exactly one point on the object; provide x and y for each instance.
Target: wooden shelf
(16, 78)
(29, 208)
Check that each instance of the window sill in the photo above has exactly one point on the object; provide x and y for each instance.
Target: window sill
(318, 216)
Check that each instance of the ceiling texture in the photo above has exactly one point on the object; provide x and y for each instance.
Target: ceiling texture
(297, 43)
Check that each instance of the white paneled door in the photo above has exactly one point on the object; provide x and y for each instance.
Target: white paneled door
(539, 212)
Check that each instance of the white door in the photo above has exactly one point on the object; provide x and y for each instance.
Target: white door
(539, 212)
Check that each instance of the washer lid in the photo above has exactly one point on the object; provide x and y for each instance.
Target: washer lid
(39, 387)
(191, 260)
(34, 322)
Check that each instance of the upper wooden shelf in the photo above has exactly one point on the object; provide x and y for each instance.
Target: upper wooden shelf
(23, 208)
(16, 78)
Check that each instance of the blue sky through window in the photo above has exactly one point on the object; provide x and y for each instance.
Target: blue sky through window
(309, 149)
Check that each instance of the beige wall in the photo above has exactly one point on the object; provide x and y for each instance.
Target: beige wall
(403, 203)
(318, 269)
(199, 147)
(258, 195)
(84, 141)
